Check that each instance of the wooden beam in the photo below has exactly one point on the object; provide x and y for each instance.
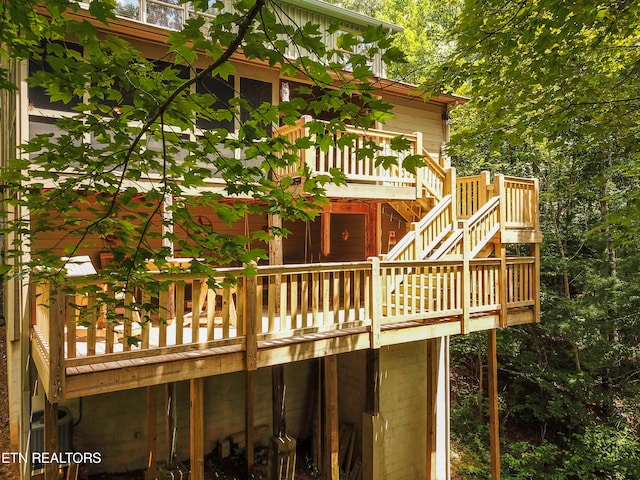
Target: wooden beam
(346, 207)
(152, 434)
(373, 381)
(325, 235)
(249, 421)
(372, 225)
(50, 437)
(330, 450)
(55, 389)
(196, 428)
(275, 245)
(277, 384)
(494, 421)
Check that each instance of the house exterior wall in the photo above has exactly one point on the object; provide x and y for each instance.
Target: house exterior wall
(394, 440)
(417, 116)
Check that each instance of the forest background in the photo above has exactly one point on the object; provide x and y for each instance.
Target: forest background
(554, 92)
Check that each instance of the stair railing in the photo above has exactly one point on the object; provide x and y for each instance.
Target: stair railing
(424, 235)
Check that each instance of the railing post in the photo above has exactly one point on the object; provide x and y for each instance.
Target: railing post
(466, 279)
(249, 304)
(55, 388)
(502, 207)
(376, 302)
(308, 153)
(449, 188)
(483, 189)
(417, 241)
(502, 282)
(420, 189)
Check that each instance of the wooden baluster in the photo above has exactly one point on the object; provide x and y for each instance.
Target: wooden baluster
(211, 313)
(71, 317)
(259, 305)
(226, 316)
(304, 297)
(145, 319)
(315, 298)
(90, 319)
(336, 297)
(196, 301)
(294, 302)
(347, 296)
(283, 302)
(357, 285)
(271, 312)
(163, 314)
(325, 297)
(180, 299)
(128, 321)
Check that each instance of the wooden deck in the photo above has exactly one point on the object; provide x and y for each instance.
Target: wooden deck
(284, 314)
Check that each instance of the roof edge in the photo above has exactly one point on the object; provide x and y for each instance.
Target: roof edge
(341, 13)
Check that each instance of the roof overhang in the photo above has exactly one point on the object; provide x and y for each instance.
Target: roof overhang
(342, 14)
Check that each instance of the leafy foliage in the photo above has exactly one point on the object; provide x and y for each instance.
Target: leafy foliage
(125, 161)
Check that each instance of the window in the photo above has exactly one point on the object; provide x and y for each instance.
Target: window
(38, 97)
(223, 91)
(256, 93)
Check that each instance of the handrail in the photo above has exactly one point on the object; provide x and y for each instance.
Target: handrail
(424, 234)
(433, 177)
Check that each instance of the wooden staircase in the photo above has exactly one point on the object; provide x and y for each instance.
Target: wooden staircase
(464, 223)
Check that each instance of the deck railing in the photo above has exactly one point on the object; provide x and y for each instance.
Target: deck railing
(343, 155)
(179, 313)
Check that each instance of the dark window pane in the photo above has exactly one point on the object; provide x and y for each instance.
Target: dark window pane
(256, 93)
(38, 96)
(223, 91)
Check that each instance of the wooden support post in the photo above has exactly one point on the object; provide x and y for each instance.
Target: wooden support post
(483, 189)
(372, 227)
(277, 384)
(417, 150)
(330, 450)
(375, 298)
(535, 253)
(196, 428)
(169, 398)
(55, 389)
(501, 252)
(249, 308)
(466, 280)
(373, 381)
(325, 237)
(494, 421)
(50, 437)
(249, 421)
(152, 434)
